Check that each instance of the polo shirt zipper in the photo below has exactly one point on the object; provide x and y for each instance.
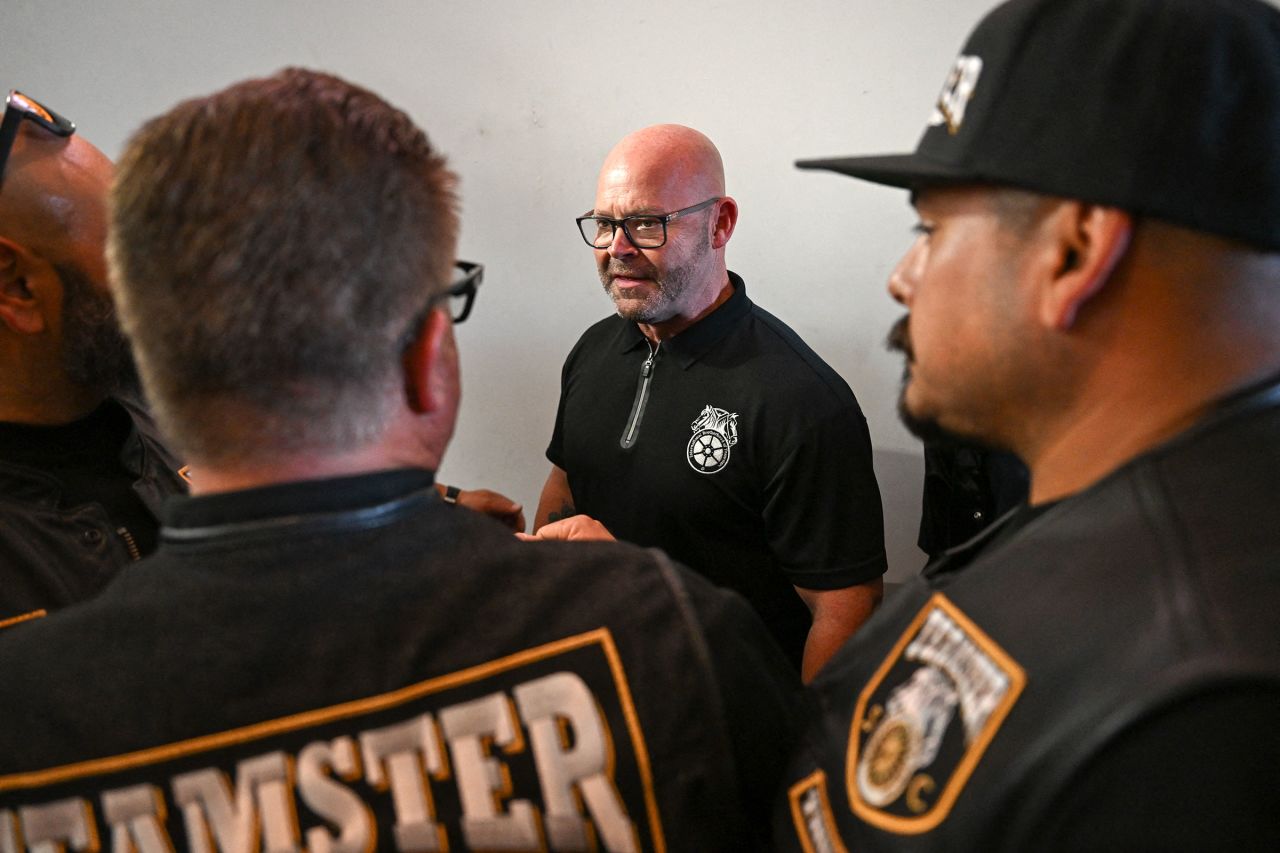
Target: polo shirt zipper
(632, 432)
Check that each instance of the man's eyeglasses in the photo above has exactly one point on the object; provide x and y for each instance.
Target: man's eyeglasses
(644, 232)
(462, 293)
(18, 107)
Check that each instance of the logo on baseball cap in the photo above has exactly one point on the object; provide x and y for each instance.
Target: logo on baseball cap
(1165, 108)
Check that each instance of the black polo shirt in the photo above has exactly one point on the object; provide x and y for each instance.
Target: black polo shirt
(742, 454)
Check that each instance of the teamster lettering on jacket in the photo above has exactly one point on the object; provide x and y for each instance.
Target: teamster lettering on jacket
(532, 765)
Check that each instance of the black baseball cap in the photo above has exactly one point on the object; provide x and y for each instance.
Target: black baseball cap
(1165, 108)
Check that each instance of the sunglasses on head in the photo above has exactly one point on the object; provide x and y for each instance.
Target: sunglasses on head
(18, 107)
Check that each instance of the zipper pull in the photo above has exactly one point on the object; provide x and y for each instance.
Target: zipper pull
(129, 543)
(647, 367)
(642, 395)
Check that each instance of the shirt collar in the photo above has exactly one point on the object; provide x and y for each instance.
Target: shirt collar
(692, 343)
(302, 498)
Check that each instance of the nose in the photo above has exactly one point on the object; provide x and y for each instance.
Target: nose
(902, 281)
(622, 247)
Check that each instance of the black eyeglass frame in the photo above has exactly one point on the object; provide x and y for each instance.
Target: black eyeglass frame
(663, 218)
(18, 106)
(466, 286)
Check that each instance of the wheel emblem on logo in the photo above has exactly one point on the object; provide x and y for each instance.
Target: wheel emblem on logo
(714, 432)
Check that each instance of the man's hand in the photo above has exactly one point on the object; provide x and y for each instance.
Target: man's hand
(494, 505)
(577, 528)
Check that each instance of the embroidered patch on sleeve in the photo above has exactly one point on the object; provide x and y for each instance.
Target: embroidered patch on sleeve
(811, 811)
(925, 718)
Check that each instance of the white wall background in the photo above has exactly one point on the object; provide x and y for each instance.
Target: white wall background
(513, 93)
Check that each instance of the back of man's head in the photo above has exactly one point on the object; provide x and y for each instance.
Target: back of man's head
(271, 247)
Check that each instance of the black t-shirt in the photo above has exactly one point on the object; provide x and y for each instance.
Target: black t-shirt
(737, 450)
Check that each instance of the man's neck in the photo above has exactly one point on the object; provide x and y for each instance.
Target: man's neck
(35, 388)
(213, 478)
(659, 332)
(1091, 441)
(47, 407)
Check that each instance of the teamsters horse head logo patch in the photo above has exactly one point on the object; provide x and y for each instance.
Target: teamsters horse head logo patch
(714, 432)
(925, 718)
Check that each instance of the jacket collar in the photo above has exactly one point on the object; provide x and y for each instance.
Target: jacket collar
(361, 500)
(141, 454)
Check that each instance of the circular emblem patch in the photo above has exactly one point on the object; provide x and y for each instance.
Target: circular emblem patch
(714, 432)
(708, 451)
(891, 757)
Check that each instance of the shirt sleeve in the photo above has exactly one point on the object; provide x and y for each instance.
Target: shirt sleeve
(823, 516)
(555, 450)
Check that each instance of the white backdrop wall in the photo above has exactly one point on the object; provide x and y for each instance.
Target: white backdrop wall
(526, 98)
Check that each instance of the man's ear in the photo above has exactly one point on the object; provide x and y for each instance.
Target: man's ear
(20, 306)
(420, 359)
(1090, 242)
(725, 221)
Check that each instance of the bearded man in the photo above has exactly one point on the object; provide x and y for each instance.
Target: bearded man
(1094, 287)
(699, 423)
(82, 469)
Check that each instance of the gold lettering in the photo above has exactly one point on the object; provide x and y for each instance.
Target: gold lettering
(917, 789)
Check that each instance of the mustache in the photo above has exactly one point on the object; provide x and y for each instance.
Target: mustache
(899, 337)
(618, 268)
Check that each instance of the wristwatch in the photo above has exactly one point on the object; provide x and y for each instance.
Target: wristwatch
(451, 494)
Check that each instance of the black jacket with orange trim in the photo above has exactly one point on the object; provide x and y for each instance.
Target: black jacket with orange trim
(354, 663)
(1106, 676)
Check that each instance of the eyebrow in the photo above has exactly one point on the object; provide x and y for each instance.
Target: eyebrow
(641, 212)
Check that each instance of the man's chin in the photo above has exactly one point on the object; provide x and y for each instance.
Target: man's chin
(636, 314)
(923, 425)
(930, 430)
(637, 310)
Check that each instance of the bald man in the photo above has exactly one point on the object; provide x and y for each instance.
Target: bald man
(82, 472)
(697, 422)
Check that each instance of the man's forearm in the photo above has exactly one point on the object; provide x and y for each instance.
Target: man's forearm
(837, 613)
